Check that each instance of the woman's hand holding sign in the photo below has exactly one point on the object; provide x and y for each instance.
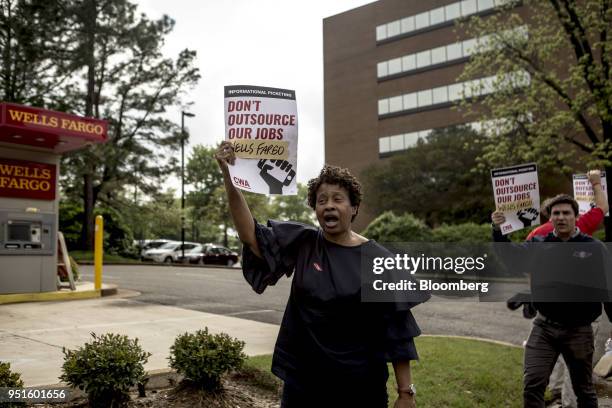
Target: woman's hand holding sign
(225, 155)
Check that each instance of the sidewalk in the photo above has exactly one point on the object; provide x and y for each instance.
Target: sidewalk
(32, 334)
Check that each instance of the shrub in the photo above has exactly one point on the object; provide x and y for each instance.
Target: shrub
(468, 232)
(389, 227)
(75, 271)
(105, 369)
(9, 379)
(203, 357)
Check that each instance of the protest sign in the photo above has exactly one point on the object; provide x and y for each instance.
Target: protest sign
(517, 195)
(262, 125)
(583, 191)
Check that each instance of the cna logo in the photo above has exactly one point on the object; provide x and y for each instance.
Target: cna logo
(317, 267)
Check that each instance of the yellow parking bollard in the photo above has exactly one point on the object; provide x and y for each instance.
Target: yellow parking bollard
(99, 238)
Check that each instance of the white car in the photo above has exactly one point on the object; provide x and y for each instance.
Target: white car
(169, 252)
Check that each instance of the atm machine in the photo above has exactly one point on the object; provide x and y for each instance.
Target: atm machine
(32, 141)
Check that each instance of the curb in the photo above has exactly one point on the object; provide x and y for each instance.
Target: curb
(155, 380)
(60, 295)
(498, 342)
(164, 265)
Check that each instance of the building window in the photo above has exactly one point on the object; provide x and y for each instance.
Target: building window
(453, 51)
(393, 29)
(383, 106)
(422, 20)
(395, 104)
(485, 5)
(440, 55)
(410, 101)
(440, 95)
(407, 24)
(468, 7)
(451, 93)
(435, 16)
(395, 66)
(382, 69)
(411, 139)
(381, 32)
(452, 11)
(408, 62)
(383, 145)
(424, 98)
(396, 143)
(454, 92)
(423, 59)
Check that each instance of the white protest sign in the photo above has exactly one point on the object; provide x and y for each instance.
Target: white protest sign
(262, 125)
(583, 191)
(517, 195)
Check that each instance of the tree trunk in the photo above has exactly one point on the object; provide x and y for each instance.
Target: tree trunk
(87, 231)
(89, 24)
(90, 58)
(225, 235)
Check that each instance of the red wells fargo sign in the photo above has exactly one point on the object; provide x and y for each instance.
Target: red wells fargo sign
(25, 179)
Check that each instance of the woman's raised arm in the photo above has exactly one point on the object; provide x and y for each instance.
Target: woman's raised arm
(239, 209)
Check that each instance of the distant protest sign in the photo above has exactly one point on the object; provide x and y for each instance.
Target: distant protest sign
(262, 125)
(583, 191)
(517, 195)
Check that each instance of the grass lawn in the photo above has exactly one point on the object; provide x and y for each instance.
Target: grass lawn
(89, 256)
(456, 373)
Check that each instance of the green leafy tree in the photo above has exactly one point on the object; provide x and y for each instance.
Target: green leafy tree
(433, 180)
(202, 173)
(102, 60)
(292, 208)
(36, 51)
(131, 84)
(163, 215)
(389, 227)
(563, 119)
(208, 199)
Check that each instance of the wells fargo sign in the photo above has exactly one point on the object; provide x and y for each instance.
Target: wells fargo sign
(17, 116)
(48, 129)
(25, 179)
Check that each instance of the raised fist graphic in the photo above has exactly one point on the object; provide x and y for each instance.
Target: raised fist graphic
(527, 215)
(276, 174)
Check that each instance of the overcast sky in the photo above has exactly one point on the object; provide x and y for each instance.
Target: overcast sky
(275, 43)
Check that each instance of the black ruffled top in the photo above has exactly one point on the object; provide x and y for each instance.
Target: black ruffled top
(327, 332)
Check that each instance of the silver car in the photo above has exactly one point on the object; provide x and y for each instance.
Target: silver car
(169, 252)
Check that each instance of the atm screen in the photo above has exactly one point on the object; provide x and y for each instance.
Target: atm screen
(19, 232)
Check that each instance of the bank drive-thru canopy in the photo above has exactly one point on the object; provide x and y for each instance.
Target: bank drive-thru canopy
(46, 129)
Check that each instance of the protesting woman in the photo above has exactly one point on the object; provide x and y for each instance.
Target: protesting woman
(332, 350)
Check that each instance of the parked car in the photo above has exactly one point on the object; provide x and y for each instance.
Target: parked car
(169, 252)
(211, 254)
(151, 244)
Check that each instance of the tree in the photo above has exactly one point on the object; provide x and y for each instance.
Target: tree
(36, 51)
(131, 84)
(292, 208)
(99, 59)
(203, 174)
(209, 201)
(433, 180)
(564, 117)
